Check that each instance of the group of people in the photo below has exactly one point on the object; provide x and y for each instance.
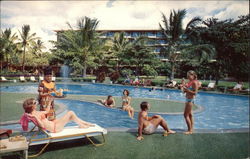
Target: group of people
(126, 103)
(146, 125)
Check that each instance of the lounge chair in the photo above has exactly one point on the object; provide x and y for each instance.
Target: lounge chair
(32, 78)
(236, 88)
(210, 86)
(22, 79)
(148, 83)
(53, 79)
(172, 84)
(42, 136)
(3, 79)
(41, 78)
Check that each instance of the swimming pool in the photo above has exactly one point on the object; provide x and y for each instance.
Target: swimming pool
(221, 111)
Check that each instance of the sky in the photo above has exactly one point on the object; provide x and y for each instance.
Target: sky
(44, 17)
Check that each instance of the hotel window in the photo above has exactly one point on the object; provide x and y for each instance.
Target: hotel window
(159, 34)
(110, 34)
(150, 34)
(135, 34)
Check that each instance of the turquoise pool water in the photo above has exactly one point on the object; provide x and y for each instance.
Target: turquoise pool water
(221, 111)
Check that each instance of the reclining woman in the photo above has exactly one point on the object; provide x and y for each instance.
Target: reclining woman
(109, 102)
(57, 125)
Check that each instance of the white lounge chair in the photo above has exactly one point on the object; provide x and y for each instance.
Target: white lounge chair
(68, 133)
(172, 84)
(41, 78)
(32, 78)
(3, 79)
(53, 79)
(22, 79)
(210, 86)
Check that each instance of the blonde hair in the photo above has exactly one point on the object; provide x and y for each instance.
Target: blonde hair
(191, 72)
(28, 105)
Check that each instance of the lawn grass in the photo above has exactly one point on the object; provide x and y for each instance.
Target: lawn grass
(11, 105)
(123, 145)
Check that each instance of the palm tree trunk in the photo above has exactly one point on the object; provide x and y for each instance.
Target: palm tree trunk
(84, 69)
(23, 67)
(172, 72)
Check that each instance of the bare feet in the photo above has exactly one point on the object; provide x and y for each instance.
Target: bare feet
(83, 126)
(166, 133)
(188, 132)
(88, 124)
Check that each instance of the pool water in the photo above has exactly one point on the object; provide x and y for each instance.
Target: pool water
(221, 111)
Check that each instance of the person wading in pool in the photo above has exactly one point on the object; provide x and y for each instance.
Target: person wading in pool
(191, 89)
(45, 88)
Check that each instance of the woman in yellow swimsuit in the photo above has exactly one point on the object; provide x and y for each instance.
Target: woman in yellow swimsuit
(56, 125)
(126, 100)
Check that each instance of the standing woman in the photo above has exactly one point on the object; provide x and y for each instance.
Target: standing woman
(191, 89)
(126, 101)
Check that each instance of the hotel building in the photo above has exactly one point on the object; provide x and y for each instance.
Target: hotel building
(157, 40)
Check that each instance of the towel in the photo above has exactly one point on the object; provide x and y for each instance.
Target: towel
(24, 121)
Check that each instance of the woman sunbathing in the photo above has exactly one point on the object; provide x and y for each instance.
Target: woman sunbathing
(29, 106)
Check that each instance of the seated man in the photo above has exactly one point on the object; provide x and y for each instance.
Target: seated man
(148, 125)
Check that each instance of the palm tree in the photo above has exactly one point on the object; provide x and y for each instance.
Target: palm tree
(80, 45)
(120, 45)
(26, 39)
(175, 35)
(37, 48)
(8, 46)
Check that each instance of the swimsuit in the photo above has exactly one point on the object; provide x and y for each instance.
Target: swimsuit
(149, 129)
(189, 87)
(48, 124)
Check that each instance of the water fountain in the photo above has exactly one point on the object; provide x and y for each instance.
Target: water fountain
(64, 72)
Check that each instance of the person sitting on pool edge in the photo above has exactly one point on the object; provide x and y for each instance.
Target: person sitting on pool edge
(126, 104)
(109, 102)
(148, 125)
(57, 125)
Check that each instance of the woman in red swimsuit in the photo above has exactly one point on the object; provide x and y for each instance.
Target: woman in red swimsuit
(57, 125)
(191, 89)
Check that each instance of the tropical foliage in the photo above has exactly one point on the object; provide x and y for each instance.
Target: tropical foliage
(78, 48)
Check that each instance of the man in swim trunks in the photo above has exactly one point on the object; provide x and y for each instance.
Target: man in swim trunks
(148, 125)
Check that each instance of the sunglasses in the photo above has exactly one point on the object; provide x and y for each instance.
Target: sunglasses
(34, 103)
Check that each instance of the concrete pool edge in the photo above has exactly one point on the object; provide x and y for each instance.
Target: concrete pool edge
(196, 131)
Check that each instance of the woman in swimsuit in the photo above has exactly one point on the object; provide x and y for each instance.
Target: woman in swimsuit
(56, 125)
(126, 100)
(109, 102)
(191, 89)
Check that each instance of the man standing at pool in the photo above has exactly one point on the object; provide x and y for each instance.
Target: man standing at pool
(45, 88)
(148, 125)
